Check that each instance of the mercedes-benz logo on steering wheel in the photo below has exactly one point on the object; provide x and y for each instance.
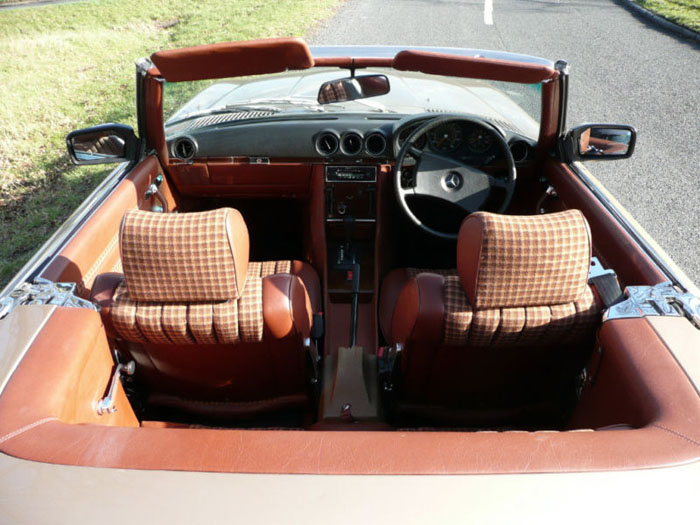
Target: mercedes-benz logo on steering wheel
(453, 181)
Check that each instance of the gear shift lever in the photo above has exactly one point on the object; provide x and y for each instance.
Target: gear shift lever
(347, 260)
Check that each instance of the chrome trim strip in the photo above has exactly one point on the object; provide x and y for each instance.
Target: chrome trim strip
(662, 299)
(50, 249)
(356, 220)
(107, 404)
(661, 260)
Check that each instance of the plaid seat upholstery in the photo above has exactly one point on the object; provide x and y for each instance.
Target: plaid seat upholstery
(184, 257)
(182, 276)
(512, 261)
(518, 326)
(529, 281)
(224, 322)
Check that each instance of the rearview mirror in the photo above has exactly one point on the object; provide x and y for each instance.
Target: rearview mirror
(600, 142)
(353, 88)
(102, 144)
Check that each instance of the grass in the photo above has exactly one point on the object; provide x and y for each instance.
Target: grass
(683, 12)
(69, 66)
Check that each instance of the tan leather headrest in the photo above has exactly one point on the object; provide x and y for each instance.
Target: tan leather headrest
(509, 261)
(184, 257)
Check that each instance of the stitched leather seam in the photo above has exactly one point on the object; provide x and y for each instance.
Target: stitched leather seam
(25, 428)
(683, 436)
(97, 265)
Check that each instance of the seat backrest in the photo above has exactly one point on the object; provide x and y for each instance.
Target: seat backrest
(518, 305)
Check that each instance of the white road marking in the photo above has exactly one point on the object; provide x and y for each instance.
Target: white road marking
(488, 12)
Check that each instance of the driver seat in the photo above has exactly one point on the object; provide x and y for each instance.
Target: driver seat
(212, 333)
(500, 341)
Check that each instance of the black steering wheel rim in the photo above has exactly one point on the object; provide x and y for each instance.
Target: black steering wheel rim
(408, 149)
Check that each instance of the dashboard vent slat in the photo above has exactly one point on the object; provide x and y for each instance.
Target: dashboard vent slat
(227, 117)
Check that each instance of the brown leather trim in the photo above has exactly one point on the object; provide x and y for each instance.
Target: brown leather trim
(309, 279)
(469, 243)
(277, 305)
(670, 433)
(233, 59)
(419, 311)
(614, 244)
(637, 382)
(392, 285)
(472, 67)
(548, 121)
(103, 293)
(286, 306)
(155, 128)
(65, 372)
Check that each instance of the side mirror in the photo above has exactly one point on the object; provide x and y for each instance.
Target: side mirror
(103, 144)
(353, 88)
(600, 142)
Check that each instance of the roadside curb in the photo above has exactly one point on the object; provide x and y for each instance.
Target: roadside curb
(661, 21)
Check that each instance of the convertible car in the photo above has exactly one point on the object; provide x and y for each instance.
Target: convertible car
(344, 283)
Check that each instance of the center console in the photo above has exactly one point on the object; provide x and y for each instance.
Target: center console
(350, 392)
(350, 216)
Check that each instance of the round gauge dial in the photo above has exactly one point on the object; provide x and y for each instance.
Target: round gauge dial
(479, 140)
(446, 138)
(420, 143)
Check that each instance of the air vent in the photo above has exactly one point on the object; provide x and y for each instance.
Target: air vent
(184, 148)
(327, 143)
(520, 150)
(375, 144)
(351, 144)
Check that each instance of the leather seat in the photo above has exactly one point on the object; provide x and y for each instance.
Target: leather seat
(211, 332)
(501, 339)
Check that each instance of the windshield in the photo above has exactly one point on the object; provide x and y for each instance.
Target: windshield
(204, 103)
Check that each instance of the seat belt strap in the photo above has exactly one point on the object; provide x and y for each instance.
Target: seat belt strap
(605, 283)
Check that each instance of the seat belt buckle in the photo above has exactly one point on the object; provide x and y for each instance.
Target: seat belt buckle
(386, 359)
(317, 326)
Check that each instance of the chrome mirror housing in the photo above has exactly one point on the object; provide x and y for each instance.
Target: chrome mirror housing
(104, 144)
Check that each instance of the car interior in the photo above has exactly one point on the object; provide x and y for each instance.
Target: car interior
(371, 296)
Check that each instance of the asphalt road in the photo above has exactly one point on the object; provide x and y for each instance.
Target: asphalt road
(624, 69)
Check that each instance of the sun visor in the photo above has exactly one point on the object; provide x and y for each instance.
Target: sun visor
(472, 67)
(233, 59)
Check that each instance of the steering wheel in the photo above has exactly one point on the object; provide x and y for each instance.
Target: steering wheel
(446, 178)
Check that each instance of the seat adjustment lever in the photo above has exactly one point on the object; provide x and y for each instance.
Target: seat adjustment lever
(106, 404)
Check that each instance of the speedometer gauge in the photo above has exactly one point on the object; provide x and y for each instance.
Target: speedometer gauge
(479, 141)
(446, 138)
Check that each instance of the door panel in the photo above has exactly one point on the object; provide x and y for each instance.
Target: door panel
(95, 248)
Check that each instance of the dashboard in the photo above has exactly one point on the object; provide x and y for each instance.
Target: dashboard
(344, 138)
